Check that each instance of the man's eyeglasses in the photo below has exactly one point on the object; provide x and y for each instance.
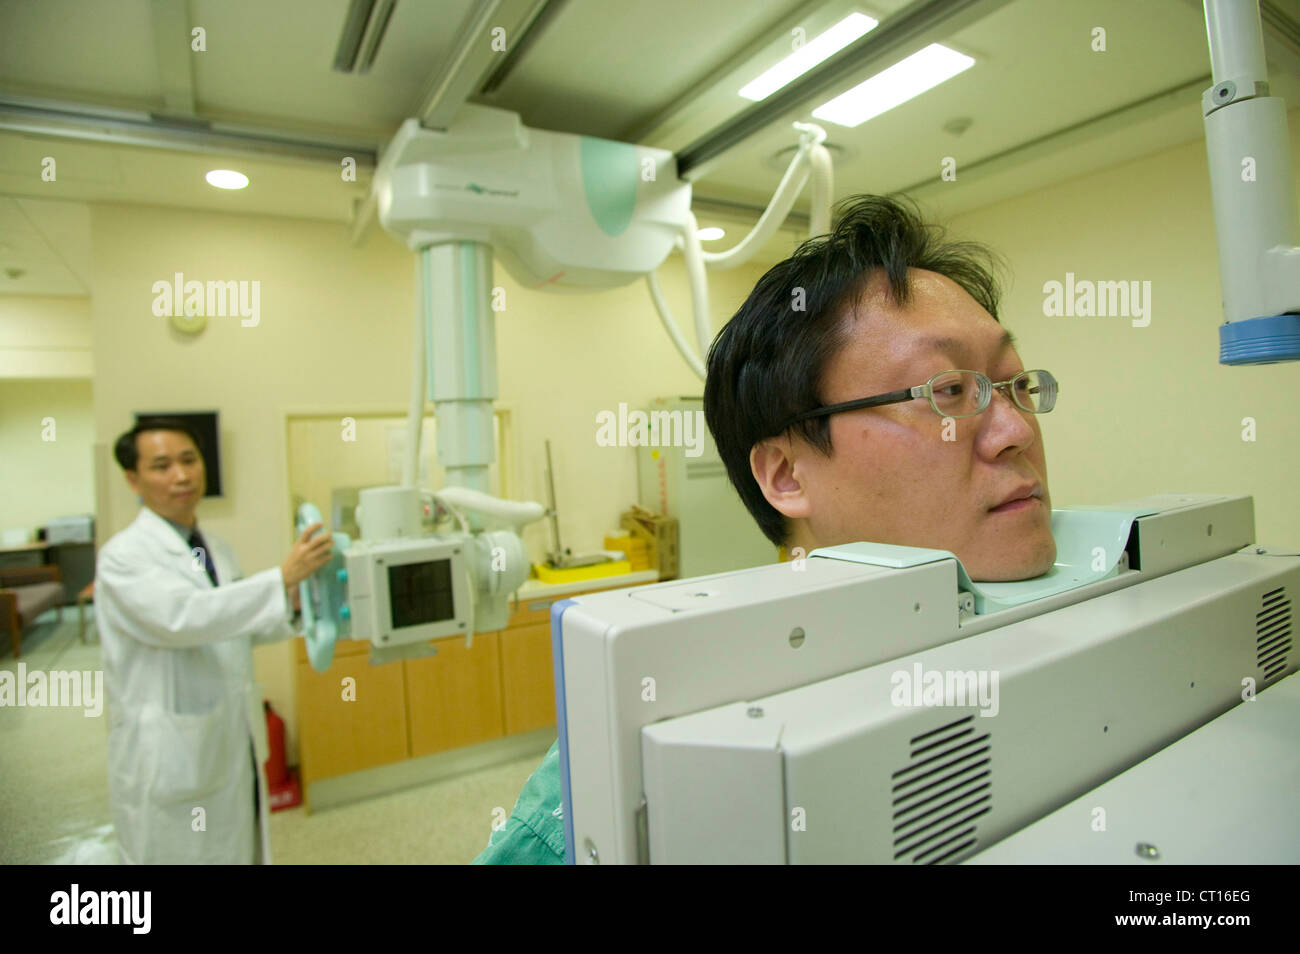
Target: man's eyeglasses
(958, 394)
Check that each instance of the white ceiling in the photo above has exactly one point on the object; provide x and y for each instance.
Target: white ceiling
(1042, 105)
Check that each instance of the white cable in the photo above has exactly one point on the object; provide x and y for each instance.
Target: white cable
(823, 181)
(792, 183)
(811, 158)
(415, 409)
(449, 509)
(823, 177)
(810, 133)
(771, 219)
(657, 295)
(698, 280)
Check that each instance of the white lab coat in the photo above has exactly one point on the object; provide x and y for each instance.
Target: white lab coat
(182, 706)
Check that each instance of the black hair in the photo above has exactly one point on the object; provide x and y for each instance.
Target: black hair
(766, 364)
(128, 455)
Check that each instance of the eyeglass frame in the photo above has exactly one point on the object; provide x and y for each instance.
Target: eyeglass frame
(926, 391)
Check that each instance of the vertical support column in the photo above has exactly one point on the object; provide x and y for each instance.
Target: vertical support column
(461, 368)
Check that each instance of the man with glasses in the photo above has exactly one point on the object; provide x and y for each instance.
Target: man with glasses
(866, 391)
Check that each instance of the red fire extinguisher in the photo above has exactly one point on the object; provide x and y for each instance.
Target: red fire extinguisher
(276, 770)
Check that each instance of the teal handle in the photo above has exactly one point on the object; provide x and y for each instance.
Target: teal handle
(322, 597)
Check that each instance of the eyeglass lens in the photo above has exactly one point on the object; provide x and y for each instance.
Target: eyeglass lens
(965, 393)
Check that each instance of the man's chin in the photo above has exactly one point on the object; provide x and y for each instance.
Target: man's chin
(1009, 569)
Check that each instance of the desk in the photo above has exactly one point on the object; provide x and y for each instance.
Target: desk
(26, 554)
(76, 561)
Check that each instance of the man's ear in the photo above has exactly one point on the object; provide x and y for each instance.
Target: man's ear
(773, 464)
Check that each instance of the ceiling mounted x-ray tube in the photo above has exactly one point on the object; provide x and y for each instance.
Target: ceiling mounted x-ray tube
(1253, 190)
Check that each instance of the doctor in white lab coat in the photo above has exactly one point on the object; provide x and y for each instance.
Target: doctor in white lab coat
(187, 733)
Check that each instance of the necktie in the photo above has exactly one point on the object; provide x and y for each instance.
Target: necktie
(197, 542)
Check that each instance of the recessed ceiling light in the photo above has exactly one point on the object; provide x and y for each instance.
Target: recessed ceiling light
(711, 234)
(822, 47)
(226, 179)
(904, 80)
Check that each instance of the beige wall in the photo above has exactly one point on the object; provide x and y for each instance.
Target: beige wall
(45, 336)
(1145, 410)
(335, 451)
(46, 429)
(334, 336)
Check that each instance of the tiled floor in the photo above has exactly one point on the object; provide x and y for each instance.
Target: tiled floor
(54, 788)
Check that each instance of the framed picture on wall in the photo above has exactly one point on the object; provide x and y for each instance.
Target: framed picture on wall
(207, 424)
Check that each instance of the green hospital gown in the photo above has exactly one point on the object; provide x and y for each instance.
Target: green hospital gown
(534, 833)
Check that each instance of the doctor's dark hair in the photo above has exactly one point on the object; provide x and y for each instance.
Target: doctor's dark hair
(766, 364)
(128, 454)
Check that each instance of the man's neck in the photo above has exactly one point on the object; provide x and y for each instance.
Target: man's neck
(798, 545)
(188, 521)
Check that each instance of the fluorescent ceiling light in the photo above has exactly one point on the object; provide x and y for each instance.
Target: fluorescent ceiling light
(904, 80)
(809, 55)
(711, 234)
(226, 179)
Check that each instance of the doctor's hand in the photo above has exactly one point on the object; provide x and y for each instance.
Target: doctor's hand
(307, 555)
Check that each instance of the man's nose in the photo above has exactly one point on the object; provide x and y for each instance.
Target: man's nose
(1008, 422)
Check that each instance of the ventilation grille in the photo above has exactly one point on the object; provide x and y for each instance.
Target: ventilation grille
(945, 787)
(1273, 632)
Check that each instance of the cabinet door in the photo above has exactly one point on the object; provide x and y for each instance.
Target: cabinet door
(454, 698)
(348, 726)
(527, 677)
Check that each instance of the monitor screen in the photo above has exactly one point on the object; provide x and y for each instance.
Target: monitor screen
(420, 593)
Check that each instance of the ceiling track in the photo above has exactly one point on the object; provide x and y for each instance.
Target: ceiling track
(1185, 95)
(363, 31)
(904, 33)
(150, 130)
(1277, 23)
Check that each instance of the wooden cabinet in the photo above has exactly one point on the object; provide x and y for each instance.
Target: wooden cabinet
(454, 698)
(351, 717)
(357, 716)
(527, 677)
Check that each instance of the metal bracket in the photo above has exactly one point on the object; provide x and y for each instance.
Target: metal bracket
(1227, 92)
(387, 654)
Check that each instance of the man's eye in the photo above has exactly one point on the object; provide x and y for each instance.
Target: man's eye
(951, 390)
